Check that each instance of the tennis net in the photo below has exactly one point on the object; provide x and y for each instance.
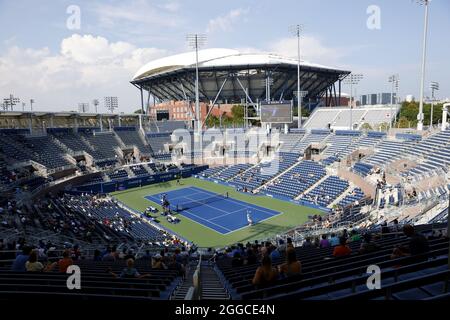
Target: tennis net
(200, 202)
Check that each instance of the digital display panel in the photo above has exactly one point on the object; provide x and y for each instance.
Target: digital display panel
(276, 112)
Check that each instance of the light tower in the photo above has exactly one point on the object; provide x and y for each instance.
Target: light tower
(434, 86)
(83, 107)
(196, 41)
(95, 102)
(296, 30)
(352, 79)
(394, 80)
(10, 102)
(111, 103)
(425, 3)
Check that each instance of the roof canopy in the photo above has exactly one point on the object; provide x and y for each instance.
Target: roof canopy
(172, 78)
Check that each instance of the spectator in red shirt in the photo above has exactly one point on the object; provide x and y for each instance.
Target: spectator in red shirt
(342, 250)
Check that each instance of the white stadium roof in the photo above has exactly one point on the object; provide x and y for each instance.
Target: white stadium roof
(216, 57)
(223, 72)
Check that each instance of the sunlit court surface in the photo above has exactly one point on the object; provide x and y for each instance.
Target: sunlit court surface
(214, 159)
(215, 211)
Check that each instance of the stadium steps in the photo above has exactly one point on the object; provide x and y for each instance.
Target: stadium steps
(147, 168)
(243, 172)
(277, 176)
(342, 195)
(180, 292)
(312, 187)
(129, 172)
(211, 284)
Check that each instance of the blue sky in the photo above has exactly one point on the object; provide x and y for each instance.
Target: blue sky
(41, 58)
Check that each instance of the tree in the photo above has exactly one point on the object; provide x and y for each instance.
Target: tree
(366, 126)
(237, 113)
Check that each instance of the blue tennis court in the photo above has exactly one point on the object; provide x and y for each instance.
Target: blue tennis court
(222, 214)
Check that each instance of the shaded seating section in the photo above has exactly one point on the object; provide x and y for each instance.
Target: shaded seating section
(157, 143)
(326, 192)
(74, 142)
(264, 171)
(325, 277)
(138, 170)
(46, 152)
(97, 283)
(131, 137)
(296, 181)
(104, 143)
(118, 174)
(40, 149)
(14, 147)
(107, 213)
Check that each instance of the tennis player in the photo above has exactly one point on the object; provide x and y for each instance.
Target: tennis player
(249, 218)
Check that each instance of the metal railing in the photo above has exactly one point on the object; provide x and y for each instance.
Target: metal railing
(195, 291)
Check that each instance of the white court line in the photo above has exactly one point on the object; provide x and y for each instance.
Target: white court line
(244, 227)
(224, 215)
(154, 195)
(207, 221)
(207, 205)
(248, 205)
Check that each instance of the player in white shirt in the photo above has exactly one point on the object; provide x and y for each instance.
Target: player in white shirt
(249, 218)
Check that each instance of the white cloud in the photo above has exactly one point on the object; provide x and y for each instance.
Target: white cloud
(137, 13)
(227, 21)
(86, 66)
(311, 48)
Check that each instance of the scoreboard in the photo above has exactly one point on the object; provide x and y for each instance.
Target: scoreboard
(277, 112)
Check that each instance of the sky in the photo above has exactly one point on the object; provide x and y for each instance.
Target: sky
(61, 53)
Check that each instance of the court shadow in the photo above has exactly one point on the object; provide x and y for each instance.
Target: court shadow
(262, 228)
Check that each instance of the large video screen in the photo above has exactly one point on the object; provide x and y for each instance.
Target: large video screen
(276, 112)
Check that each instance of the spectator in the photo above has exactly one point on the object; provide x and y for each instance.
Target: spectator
(237, 260)
(33, 265)
(418, 245)
(265, 275)
(292, 266)
(63, 263)
(251, 256)
(334, 240)
(307, 243)
(97, 255)
(289, 243)
(342, 250)
(324, 243)
(157, 262)
(21, 259)
(354, 236)
(129, 272)
(281, 246)
(129, 255)
(368, 245)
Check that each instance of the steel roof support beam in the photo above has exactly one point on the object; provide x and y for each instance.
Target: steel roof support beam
(215, 100)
